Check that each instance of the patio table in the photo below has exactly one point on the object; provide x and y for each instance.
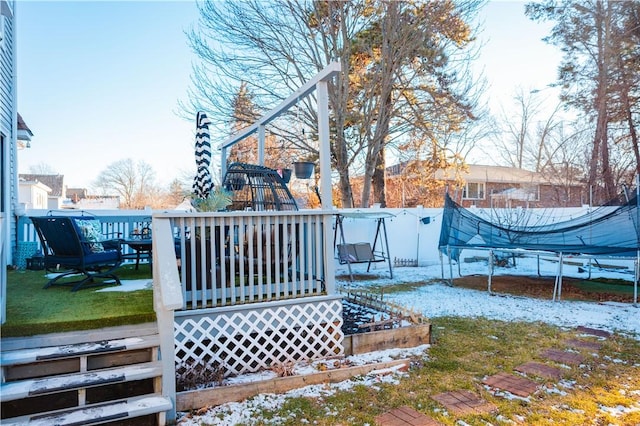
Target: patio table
(141, 247)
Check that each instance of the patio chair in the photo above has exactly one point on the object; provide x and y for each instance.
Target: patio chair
(76, 245)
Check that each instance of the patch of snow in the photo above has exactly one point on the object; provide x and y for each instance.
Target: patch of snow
(130, 285)
(555, 390)
(503, 419)
(435, 300)
(567, 384)
(619, 409)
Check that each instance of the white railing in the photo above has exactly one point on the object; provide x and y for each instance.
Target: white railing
(231, 258)
(225, 283)
(114, 224)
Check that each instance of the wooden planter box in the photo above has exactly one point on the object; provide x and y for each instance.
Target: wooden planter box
(194, 399)
(404, 337)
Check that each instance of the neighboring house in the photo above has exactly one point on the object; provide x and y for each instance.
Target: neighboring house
(507, 187)
(79, 198)
(8, 143)
(35, 188)
(58, 193)
(74, 195)
(479, 186)
(33, 194)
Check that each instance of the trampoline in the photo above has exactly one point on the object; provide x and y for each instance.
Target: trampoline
(610, 231)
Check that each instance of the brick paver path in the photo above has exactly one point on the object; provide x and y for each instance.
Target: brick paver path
(584, 344)
(565, 357)
(516, 385)
(541, 370)
(593, 331)
(405, 416)
(462, 402)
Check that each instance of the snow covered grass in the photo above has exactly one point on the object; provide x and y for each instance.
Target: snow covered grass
(475, 335)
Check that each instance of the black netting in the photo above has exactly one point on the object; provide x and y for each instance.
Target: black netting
(606, 230)
(257, 188)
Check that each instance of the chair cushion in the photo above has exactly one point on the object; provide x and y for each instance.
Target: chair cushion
(91, 232)
(108, 257)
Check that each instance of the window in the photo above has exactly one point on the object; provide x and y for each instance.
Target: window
(473, 191)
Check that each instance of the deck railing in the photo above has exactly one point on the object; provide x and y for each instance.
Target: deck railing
(231, 258)
(115, 224)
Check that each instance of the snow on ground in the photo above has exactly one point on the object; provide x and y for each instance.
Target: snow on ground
(438, 299)
(126, 285)
(249, 410)
(131, 285)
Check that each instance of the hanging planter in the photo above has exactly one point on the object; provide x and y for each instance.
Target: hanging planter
(303, 169)
(286, 175)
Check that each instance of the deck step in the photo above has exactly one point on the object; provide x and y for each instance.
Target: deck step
(28, 356)
(96, 413)
(34, 387)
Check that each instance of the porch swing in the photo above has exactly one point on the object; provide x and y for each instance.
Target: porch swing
(363, 252)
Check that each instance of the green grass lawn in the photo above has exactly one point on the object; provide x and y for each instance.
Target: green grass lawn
(32, 310)
(603, 391)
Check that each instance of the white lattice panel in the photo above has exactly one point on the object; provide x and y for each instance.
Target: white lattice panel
(246, 341)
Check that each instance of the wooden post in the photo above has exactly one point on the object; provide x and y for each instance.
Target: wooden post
(167, 296)
(261, 138)
(323, 138)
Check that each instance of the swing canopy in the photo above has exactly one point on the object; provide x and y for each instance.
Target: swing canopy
(367, 215)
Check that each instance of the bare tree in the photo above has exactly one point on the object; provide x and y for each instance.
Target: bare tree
(594, 35)
(406, 81)
(517, 126)
(390, 52)
(133, 182)
(42, 169)
(273, 48)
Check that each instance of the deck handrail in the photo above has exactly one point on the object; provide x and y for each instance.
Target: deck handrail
(230, 258)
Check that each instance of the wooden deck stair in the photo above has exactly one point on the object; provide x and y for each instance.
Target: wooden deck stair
(87, 382)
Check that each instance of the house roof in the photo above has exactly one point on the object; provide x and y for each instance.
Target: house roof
(55, 182)
(484, 173)
(76, 194)
(480, 173)
(24, 132)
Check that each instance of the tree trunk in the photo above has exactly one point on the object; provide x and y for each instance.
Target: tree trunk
(378, 180)
(632, 131)
(599, 167)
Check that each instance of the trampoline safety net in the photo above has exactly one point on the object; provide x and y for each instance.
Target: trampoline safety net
(607, 230)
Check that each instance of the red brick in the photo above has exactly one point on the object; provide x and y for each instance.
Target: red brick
(561, 356)
(405, 416)
(538, 369)
(584, 344)
(593, 331)
(516, 385)
(463, 402)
